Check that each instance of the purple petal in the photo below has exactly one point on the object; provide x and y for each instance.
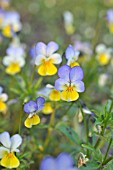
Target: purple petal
(76, 73)
(60, 84)
(64, 72)
(64, 161)
(110, 15)
(48, 163)
(40, 48)
(51, 48)
(40, 102)
(30, 106)
(69, 52)
(79, 85)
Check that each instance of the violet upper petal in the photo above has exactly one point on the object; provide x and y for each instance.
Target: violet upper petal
(76, 73)
(30, 106)
(48, 163)
(69, 52)
(40, 102)
(64, 161)
(64, 72)
(51, 48)
(40, 48)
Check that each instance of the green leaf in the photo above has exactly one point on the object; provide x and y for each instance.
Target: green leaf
(108, 106)
(88, 147)
(69, 132)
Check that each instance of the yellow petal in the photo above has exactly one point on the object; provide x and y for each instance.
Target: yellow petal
(47, 68)
(103, 59)
(72, 64)
(30, 121)
(10, 161)
(47, 109)
(69, 94)
(70, 29)
(7, 31)
(13, 68)
(3, 106)
(54, 95)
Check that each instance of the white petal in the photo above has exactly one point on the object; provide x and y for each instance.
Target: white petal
(7, 60)
(39, 59)
(21, 61)
(16, 141)
(56, 58)
(5, 139)
(100, 48)
(4, 97)
(2, 151)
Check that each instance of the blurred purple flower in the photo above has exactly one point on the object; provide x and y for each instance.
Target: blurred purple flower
(110, 15)
(32, 52)
(32, 106)
(84, 47)
(62, 162)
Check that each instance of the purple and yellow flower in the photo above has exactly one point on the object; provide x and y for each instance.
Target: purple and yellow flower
(72, 56)
(68, 22)
(63, 162)
(70, 82)
(46, 58)
(103, 54)
(31, 107)
(3, 99)
(10, 23)
(110, 19)
(14, 60)
(10, 146)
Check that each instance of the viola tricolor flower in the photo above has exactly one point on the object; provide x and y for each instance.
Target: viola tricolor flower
(31, 107)
(103, 54)
(46, 58)
(10, 146)
(14, 60)
(3, 99)
(110, 20)
(72, 56)
(11, 23)
(63, 162)
(68, 22)
(70, 82)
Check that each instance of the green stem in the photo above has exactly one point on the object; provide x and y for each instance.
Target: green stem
(107, 150)
(20, 122)
(50, 129)
(105, 161)
(86, 127)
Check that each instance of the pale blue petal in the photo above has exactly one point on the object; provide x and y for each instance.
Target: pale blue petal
(69, 52)
(76, 73)
(51, 48)
(5, 139)
(64, 72)
(48, 163)
(79, 85)
(60, 84)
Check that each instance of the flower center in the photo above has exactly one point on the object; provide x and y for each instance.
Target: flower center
(70, 89)
(103, 58)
